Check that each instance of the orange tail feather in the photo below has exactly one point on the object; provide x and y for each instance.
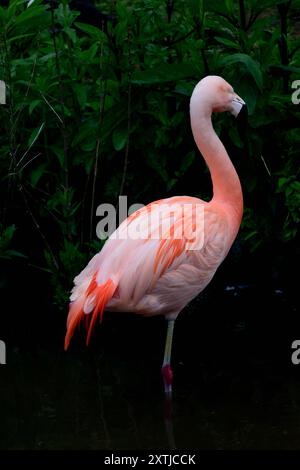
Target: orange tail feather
(103, 294)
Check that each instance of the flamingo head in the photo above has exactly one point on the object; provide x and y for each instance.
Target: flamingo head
(219, 96)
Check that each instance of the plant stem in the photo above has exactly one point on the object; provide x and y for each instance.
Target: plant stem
(128, 118)
(283, 9)
(170, 8)
(11, 130)
(37, 226)
(61, 88)
(63, 128)
(242, 15)
(127, 143)
(98, 145)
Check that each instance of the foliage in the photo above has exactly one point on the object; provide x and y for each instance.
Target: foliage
(94, 114)
(6, 236)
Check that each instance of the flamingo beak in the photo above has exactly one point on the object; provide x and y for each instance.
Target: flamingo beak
(236, 105)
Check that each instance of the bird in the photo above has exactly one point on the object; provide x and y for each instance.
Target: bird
(164, 254)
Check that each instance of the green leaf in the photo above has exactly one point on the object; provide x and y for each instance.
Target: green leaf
(229, 6)
(6, 235)
(33, 17)
(20, 36)
(35, 133)
(12, 6)
(282, 182)
(47, 57)
(59, 152)
(171, 183)
(119, 138)
(186, 163)
(89, 54)
(3, 15)
(89, 145)
(250, 64)
(94, 32)
(227, 42)
(247, 90)
(158, 165)
(165, 73)
(36, 174)
(184, 88)
(33, 105)
(87, 130)
(287, 68)
(251, 234)
(81, 94)
(71, 33)
(14, 253)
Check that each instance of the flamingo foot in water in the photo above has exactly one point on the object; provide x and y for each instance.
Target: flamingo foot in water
(167, 374)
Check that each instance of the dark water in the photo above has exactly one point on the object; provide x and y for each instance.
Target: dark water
(235, 386)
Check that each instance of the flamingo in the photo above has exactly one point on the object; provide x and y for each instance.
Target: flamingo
(166, 253)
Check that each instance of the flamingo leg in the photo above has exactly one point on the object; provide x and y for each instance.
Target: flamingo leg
(166, 367)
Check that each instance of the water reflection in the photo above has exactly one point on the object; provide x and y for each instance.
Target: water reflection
(58, 401)
(168, 418)
(234, 384)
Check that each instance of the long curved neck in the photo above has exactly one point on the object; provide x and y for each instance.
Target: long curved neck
(226, 184)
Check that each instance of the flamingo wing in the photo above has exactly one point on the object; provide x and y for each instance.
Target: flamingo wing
(154, 263)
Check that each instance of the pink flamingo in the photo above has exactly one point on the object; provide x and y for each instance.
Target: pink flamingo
(166, 253)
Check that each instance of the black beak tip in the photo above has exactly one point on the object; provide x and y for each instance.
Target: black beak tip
(242, 117)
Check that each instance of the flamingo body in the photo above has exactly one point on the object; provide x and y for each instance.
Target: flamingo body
(166, 253)
(150, 275)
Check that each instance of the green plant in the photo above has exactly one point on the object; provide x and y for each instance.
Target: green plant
(6, 236)
(91, 112)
